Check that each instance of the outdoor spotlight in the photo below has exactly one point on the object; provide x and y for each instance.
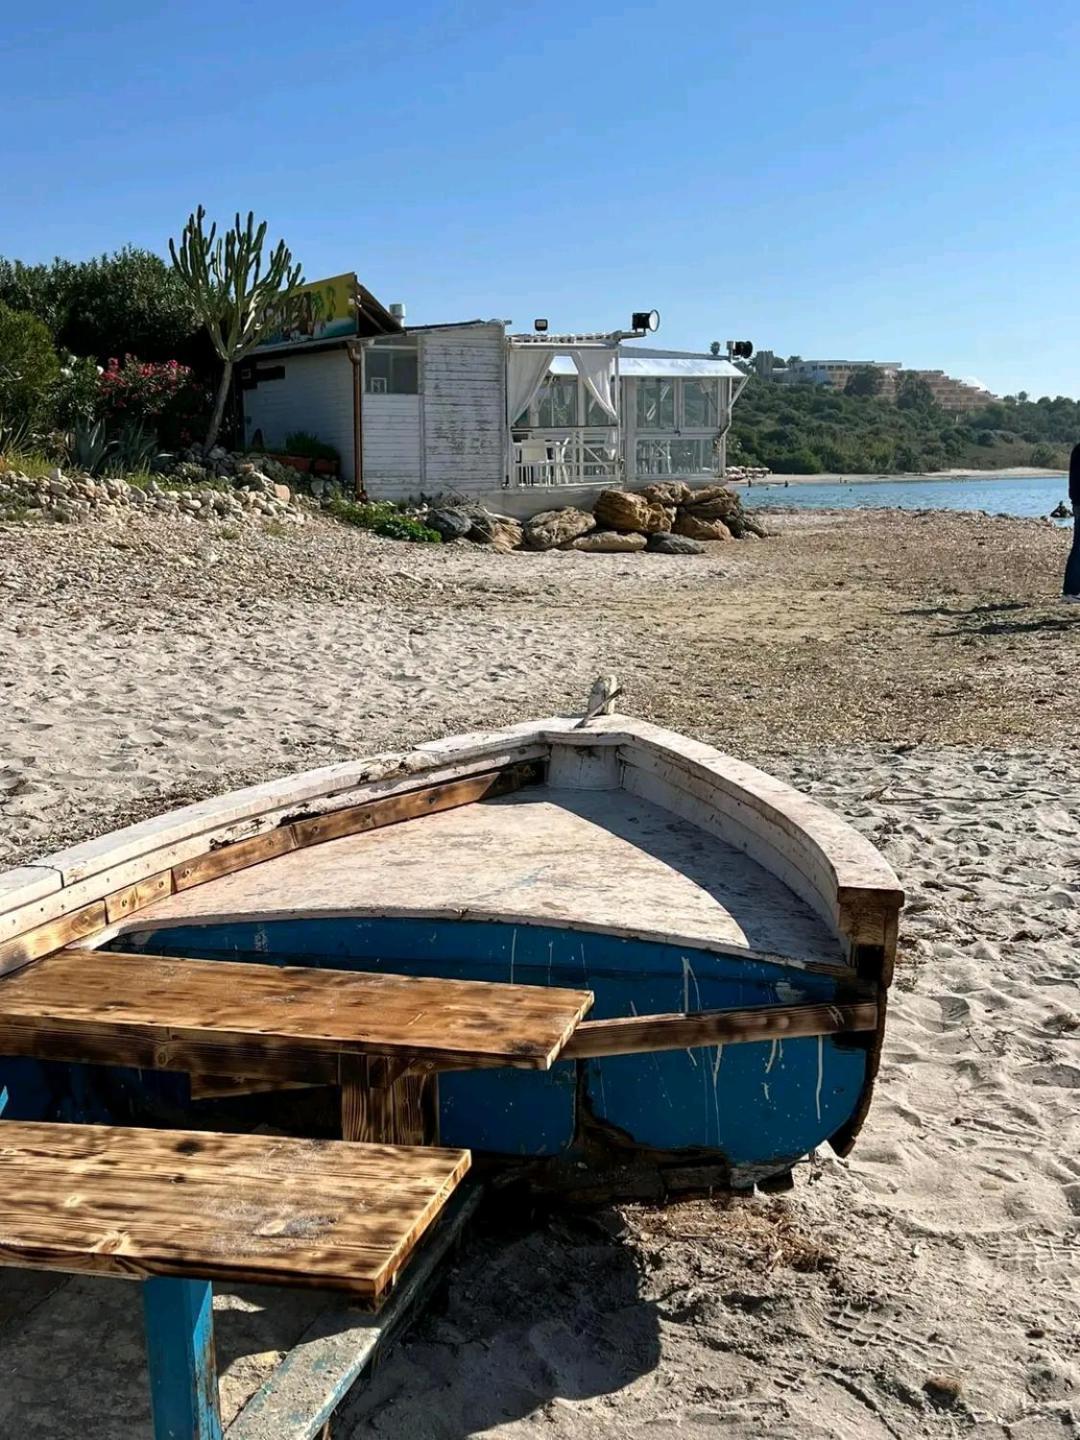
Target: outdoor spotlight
(646, 320)
(540, 326)
(740, 349)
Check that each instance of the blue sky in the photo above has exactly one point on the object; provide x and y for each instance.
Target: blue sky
(842, 180)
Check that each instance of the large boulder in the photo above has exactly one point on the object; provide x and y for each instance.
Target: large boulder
(674, 545)
(667, 492)
(499, 531)
(552, 528)
(619, 510)
(604, 542)
(690, 525)
(719, 507)
(449, 522)
(706, 492)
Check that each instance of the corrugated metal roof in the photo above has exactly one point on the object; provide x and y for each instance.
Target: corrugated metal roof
(681, 366)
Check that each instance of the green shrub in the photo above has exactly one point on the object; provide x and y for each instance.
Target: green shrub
(382, 518)
(131, 300)
(301, 443)
(29, 368)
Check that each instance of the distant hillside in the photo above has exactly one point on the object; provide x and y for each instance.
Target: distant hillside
(808, 429)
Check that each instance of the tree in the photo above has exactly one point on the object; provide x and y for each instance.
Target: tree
(130, 302)
(29, 367)
(867, 380)
(914, 393)
(232, 295)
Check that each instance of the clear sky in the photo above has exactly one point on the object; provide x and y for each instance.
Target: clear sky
(843, 179)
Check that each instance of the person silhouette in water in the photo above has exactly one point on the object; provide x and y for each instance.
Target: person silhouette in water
(1071, 587)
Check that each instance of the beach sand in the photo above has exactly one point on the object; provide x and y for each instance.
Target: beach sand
(916, 672)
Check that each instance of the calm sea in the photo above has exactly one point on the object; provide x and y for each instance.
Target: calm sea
(1029, 495)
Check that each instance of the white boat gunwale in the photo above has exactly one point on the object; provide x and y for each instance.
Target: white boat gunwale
(80, 895)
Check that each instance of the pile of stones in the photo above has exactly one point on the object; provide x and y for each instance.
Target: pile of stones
(669, 519)
(250, 494)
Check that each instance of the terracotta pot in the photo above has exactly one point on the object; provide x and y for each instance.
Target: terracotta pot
(324, 467)
(294, 462)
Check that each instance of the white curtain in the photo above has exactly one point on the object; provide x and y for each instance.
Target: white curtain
(526, 366)
(597, 369)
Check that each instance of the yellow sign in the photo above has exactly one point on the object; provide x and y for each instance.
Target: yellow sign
(323, 310)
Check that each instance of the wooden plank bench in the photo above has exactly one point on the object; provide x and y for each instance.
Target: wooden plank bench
(380, 1037)
(180, 1209)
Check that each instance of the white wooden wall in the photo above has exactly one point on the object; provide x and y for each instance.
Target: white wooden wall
(393, 446)
(464, 384)
(452, 436)
(315, 395)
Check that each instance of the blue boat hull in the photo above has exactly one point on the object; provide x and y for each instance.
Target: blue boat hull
(754, 1108)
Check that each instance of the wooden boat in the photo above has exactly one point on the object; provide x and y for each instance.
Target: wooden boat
(737, 939)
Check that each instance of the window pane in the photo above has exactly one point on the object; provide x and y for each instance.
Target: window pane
(404, 372)
(595, 414)
(377, 372)
(557, 404)
(655, 405)
(390, 370)
(699, 404)
(675, 457)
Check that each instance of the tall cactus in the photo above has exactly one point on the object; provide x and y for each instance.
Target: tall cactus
(233, 296)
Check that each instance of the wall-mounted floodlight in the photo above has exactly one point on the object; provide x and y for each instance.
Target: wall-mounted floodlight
(540, 326)
(645, 320)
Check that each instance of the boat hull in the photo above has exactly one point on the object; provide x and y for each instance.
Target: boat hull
(754, 1107)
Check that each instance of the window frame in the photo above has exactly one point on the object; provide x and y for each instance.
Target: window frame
(399, 351)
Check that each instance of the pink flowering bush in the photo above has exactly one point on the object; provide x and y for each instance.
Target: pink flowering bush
(167, 397)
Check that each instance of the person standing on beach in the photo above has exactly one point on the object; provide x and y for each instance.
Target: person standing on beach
(1071, 587)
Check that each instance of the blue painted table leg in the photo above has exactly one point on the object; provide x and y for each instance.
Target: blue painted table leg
(180, 1350)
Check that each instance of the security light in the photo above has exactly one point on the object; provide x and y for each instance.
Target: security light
(540, 326)
(646, 320)
(740, 349)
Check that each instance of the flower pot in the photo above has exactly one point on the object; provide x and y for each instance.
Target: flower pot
(324, 467)
(294, 462)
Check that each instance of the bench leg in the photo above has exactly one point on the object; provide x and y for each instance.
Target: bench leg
(180, 1349)
(382, 1106)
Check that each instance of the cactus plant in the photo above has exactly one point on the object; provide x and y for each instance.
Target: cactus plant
(233, 295)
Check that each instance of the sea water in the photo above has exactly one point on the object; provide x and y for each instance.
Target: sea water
(1028, 495)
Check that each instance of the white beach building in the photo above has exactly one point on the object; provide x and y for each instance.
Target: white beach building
(522, 422)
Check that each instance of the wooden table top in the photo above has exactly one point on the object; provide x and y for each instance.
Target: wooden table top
(244, 1208)
(289, 1022)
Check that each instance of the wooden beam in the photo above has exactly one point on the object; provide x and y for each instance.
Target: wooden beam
(386, 1105)
(716, 1027)
(237, 856)
(122, 903)
(429, 800)
(44, 939)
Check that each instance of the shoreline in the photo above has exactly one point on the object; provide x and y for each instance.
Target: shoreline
(1014, 472)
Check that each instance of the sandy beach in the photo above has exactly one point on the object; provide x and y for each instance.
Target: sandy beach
(917, 672)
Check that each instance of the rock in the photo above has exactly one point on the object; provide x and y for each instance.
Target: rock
(500, 531)
(282, 494)
(603, 542)
(706, 492)
(717, 507)
(619, 510)
(674, 545)
(691, 527)
(447, 521)
(667, 492)
(552, 528)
